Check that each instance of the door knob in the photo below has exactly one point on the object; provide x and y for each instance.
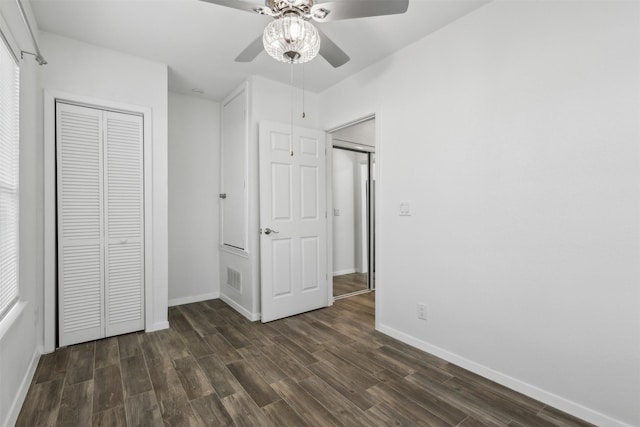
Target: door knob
(269, 231)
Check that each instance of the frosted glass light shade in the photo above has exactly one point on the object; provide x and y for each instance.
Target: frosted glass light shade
(291, 39)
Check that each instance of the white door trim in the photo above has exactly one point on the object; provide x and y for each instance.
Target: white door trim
(329, 203)
(377, 203)
(50, 248)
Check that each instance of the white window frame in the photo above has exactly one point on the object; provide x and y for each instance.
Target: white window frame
(9, 183)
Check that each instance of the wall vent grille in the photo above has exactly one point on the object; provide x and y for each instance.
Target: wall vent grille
(234, 279)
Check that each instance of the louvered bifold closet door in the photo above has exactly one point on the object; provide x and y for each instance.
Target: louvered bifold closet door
(80, 224)
(124, 291)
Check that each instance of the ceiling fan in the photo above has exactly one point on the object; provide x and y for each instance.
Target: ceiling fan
(291, 38)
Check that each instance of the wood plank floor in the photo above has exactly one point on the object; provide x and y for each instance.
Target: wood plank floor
(214, 368)
(348, 283)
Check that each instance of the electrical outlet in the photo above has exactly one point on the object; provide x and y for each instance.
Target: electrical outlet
(422, 311)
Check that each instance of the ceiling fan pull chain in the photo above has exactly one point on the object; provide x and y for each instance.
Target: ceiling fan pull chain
(303, 113)
(291, 109)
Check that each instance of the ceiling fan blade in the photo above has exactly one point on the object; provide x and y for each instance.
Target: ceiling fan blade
(238, 4)
(251, 51)
(331, 52)
(337, 10)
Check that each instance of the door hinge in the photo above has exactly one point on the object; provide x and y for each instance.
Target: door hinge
(222, 195)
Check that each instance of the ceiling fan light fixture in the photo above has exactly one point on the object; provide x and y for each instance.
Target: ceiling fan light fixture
(291, 39)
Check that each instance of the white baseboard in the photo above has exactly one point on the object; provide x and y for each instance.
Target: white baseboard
(240, 309)
(14, 411)
(347, 271)
(532, 391)
(158, 326)
(193, 298)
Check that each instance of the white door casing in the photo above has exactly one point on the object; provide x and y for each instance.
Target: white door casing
(293, 205)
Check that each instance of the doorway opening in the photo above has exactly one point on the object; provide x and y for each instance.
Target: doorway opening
(353, 172)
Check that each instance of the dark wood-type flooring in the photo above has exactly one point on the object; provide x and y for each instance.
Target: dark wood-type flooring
(213, 367)
(348, 283)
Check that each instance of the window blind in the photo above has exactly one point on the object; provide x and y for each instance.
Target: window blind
(9, 152)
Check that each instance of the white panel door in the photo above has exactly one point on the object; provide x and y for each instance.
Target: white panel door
(124, 257)
(234, 172)
(80, 224)
(293, 220)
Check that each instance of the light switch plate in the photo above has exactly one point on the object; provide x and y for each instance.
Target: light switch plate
(405, 209)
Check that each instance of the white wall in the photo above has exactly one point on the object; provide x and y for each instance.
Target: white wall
(87, 70)
(514, 134)
(268, 100)
(194, 160)
(344, 203)
(21, 331)
(362, 134)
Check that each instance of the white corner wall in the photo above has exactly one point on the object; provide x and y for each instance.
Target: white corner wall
(194, 160)
(86, 70)
(514, 133)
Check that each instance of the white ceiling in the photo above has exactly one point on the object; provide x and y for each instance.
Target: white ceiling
(199, 41)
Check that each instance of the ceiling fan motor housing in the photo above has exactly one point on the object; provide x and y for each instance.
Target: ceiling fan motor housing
(291, 39)
(281, 7)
